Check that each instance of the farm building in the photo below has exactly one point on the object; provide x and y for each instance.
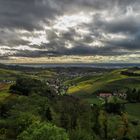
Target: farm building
(105, 95)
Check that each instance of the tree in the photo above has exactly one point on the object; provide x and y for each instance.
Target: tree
(104, 123)
(133, 95)
(95, 119)
(43, 131)
(124, 128)
(80, 134)
(27, 85)
(115, 105)
(19, 123)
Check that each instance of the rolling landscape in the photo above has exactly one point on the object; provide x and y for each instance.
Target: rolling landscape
(103, 97)
(69, 69)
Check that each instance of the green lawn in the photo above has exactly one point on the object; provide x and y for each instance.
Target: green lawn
(4, 91)
(94, 100)
(137, 71)
(133, 109)
(3, 95)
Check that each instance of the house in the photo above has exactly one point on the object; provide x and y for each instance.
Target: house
(122, 96)
(105, 95)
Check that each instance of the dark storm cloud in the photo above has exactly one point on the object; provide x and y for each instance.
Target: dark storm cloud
(127, 44)
(25, 13)
(77, 50)
(125, 24)
(28, 53)
(86, 50)
(30, 15)
(81, 50)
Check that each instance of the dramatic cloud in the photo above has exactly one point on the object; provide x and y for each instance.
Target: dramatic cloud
(101, 29)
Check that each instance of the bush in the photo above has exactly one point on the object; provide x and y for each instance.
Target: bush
(43, 131)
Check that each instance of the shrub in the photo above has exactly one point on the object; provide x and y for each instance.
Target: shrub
(43, 131)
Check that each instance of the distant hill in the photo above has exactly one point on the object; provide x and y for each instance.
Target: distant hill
(19, 67)
(12, 72)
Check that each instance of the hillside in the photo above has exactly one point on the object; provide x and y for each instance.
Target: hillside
(111, 81)
(32, 100)
(8, 77)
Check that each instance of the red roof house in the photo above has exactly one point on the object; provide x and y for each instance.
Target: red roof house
(105, 95)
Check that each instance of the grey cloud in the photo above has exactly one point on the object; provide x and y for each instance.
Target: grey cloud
(29, 13)
(11, 38)
(27, 53)
(124, 24)
(32, 14)
(86, 50)
(25, 14)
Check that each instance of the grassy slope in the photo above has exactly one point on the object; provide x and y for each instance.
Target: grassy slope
(4, 91)
(133, 109)
(12, 75)
(46, 74)
(84, 87)
(3, 95)
(111, 80)
(8, 74)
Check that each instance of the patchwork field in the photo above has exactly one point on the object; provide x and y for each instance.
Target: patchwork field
(111, 81)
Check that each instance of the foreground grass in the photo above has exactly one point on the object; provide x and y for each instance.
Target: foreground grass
(3, 95)
(4, 91)
(133, 109)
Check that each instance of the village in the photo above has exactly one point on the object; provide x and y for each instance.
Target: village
(108, 95)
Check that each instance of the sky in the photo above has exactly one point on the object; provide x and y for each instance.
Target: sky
(69, 31)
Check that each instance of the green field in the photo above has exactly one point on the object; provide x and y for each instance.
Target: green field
(110, 81)
(133, 109)
(4, 91)
(13, 74)
(3, 95)
(45, 74)
(94, 100)
(137, 71)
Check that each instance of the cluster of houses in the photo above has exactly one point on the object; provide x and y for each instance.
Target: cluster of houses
(119, 95)
(67, 75)
(57, 86)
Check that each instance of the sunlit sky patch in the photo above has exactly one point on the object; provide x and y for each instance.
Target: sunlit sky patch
(76, 31)
(70, 21)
